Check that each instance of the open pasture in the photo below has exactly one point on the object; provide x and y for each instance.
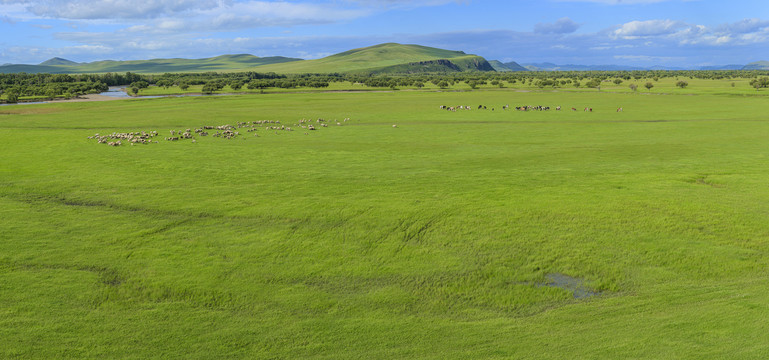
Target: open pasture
(438, 238)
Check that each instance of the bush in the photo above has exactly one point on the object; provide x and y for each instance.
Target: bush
(209, 88)
(13, 97)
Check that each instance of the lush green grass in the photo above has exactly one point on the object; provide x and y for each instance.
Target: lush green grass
(429, 240)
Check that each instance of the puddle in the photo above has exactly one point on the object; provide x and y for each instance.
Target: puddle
(116, 91)
(574, 285)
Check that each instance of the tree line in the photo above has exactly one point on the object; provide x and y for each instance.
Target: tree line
(50, 86)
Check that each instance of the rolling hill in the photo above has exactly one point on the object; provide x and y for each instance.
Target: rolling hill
(58, 61)
(386, 58)
(239, 62)
(510, 66)
(758, 65)
(389, 58)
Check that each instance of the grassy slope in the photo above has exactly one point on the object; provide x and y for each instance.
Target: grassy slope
(18, 68)
(238, 62)
(364, 240)
(757, 65)
(373, 58)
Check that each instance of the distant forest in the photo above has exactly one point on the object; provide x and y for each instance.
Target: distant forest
(51, 86)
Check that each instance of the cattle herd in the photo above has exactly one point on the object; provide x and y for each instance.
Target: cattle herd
(222, 131)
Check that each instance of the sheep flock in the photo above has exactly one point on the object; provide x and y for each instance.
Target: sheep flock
(228, 132)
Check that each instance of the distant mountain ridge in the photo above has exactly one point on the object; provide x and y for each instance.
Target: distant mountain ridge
(237, 62)
(387, 58)
(546, 66)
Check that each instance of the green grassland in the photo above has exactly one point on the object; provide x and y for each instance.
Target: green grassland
(432, 239)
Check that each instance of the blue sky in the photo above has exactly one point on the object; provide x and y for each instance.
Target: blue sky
(683, 33)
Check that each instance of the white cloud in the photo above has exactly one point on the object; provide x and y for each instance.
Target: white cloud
(648, 58)
(261, 13)
(745, 26)
(116, 9)
(562, 26)
(638, 29)
(256, 13)
(403, 3)
(617, 2)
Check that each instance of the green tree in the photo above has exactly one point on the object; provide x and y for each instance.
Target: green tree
(209, 88)
(164, 83)
(259, 84)
(236, 85)
(184, 86)
(443, 84)
(140, 84)
(682, 84)
(618, 81)
(50, 93)
(760, 83)
(12, 96)
(633, 87)
(649, 85)
(594, 83)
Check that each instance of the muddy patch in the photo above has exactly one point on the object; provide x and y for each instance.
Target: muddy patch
(571, 284)
(704, 180)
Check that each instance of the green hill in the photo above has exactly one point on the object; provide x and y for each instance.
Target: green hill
(58, 61)
(511, 66)
(239, 62)
(31, 69)
(387, 58)
(758, 65)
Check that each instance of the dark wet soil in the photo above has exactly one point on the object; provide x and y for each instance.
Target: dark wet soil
(574, 285)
